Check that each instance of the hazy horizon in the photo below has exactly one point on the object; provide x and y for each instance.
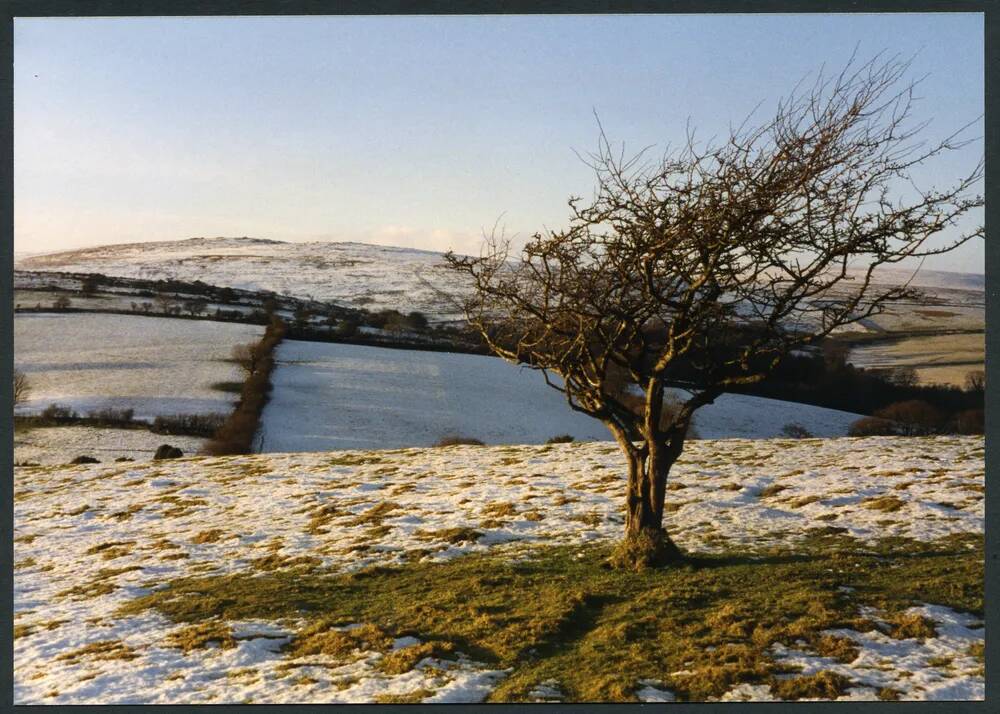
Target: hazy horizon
(416, 132)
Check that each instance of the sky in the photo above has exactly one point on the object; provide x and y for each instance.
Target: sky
(412, 131)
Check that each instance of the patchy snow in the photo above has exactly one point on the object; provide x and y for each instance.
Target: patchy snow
(61, 444)
(935, 668)
(337, 396)
(142, 520)
(652, 691)
(156, 366)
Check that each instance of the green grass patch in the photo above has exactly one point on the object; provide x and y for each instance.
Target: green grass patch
(562, 615)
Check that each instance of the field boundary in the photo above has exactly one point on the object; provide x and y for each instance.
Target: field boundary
(237, 433)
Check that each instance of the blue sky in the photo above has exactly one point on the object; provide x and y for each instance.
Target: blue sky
(415, 131)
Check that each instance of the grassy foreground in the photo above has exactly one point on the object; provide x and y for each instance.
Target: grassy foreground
(561, 615)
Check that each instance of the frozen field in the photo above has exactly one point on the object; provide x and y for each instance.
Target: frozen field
(156, 366)
(62, 444)
(89, 540)
(333, 396)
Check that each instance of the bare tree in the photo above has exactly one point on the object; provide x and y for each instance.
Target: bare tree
(21, 387)
(89, 285)
(196, 306)
(247, 356)
(702, 270)
(975, 381)
(166, 302)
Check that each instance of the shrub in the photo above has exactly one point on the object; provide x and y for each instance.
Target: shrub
(62, 303)
(561, 439)
(346, 328)
(458, 440)
(111, 417)
(970, 421)
(166, 451)
(83, 459)
(872, 426)
(58, 412)
(796, 431)
(914, 417)
(89, 285)
(187, 424)
(417, 320)
(195, 307)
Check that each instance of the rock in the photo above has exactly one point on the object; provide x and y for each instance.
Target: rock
(85, 460)
(124, 458)
(166, 451)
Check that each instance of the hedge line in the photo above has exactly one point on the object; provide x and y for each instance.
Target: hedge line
(236, 434)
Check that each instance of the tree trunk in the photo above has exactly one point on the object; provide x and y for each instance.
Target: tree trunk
(646, 542)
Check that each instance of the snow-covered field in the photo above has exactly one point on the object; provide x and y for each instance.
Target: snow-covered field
(156, 366)
(335, 396)
(89, 539)
(62, 444)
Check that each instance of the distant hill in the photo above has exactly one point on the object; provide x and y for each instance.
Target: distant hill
(934, 279)
(353, 274)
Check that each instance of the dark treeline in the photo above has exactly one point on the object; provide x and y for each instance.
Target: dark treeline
(203, 425)
(828, 380)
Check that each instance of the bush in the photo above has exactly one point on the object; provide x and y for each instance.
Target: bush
(914, 417)
(166, 451)
(872, 426)
(458, 440)
(58, 412)
(346, 328)
(796, 431)
(561, 439)
(417, 320)
(83, 459)
(89, 285)
(970, 421)
(187, 424)
(111, 417)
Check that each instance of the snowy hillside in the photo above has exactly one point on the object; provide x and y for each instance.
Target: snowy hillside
(92, 541)
(352, 274)
(337, 396)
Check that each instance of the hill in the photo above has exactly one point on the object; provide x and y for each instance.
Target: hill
(472, 573)
(352, 274)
